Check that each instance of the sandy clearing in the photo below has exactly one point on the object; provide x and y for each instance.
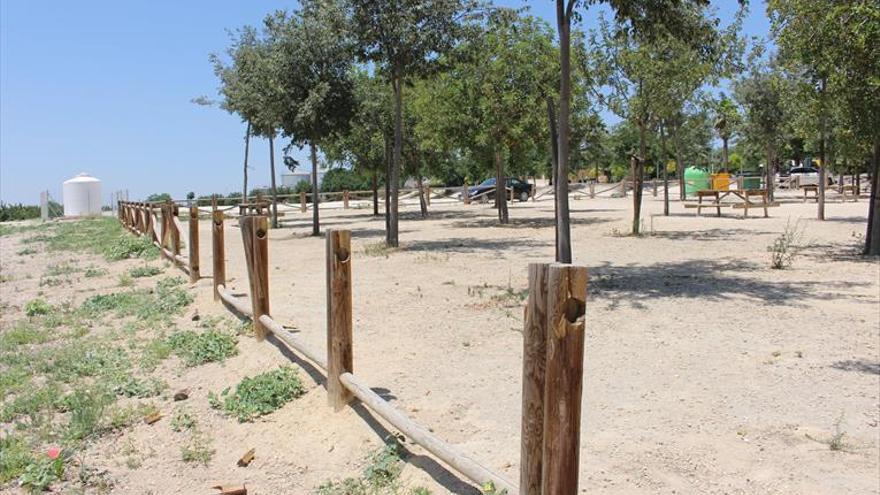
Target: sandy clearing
(705, 370)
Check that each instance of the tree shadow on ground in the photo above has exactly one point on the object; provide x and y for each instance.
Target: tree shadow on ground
(838, 251)
(707, 280)
(473, 245)
(859, 365)
(525, 223)
(706, 235)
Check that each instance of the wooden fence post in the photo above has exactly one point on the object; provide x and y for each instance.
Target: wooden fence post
(592, 190)
(566, 297)
(534, 365)
(255, 236)
(339, 327)
(345, 200)
(464, 193)
(218, 252)
(194, 271)
(654, 187)
(427, 195)
(302, 202)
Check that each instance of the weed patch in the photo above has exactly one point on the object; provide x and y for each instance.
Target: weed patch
(36, 307)
(200, 348)
(144, 271)
(260, 395)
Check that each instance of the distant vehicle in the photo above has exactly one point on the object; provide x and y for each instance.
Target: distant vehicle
(521, 190)
(805, 176)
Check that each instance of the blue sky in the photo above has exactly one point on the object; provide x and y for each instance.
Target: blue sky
(104, 87)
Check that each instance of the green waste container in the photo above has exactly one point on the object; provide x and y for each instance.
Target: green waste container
(751, 183)
(695, 179)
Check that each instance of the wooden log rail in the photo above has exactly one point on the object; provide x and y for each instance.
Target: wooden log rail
(554, 338)
(164, 230)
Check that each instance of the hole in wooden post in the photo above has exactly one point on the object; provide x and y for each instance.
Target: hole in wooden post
(218, 221)
(261, 233)
(342, 256)
(574, 309)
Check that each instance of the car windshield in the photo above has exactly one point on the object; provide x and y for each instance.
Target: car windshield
(488, 182)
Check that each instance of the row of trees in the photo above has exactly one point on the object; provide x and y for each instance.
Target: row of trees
(457, 90)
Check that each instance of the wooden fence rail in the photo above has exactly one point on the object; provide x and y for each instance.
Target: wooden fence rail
(552, 358)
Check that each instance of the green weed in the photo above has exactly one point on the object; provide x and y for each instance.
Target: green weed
(65, 268)
(125, 280)
(182, 420)
(36, 307)
(380, 477)
(144, 271)
(26, 251)
(39, 475)
(260, 395)
(86, 407)
(15, 456)
(200, 348)
(93, 271)
(377, 249)
(198, 449)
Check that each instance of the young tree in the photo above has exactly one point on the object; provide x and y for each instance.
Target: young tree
(363, 146)
(645, 18)
(760, 93)
(727, 120)
(312, 61)
(649, 75)
(491, 98)
(403, 38)
(237, 85)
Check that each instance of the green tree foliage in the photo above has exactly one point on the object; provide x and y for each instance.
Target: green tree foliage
(312, 55)
(403, 40)
(491, 100)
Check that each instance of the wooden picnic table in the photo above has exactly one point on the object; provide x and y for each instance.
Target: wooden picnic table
(813, 188)
(745, 195)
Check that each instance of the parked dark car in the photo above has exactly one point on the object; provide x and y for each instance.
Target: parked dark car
(521, 190)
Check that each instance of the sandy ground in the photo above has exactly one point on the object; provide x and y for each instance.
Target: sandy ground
(705, 371)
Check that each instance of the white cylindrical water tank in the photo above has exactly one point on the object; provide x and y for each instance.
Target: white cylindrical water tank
(81, 196)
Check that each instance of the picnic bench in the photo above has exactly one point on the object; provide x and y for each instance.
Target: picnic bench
(745, 195)
(811, 188)
(850, 191)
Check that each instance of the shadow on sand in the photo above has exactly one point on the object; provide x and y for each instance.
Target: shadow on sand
(707, 280)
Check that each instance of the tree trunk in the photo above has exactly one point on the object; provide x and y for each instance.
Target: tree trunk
(397, 158)
(500, 187)
(423, 204)
(679, 162)
(665, 172)
(388, 153)
(247, 145)
(316, 199)
(274, 189)
(375, 193)
(872, 237)
(563, 240)
(724, 153)
(554, 163)
(638, 171)
(820, 213)
(769, 174)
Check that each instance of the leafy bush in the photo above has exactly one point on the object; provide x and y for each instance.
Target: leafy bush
(260, 395)
(156, 197)
(342, 179)
(200, 348)
(36, 307)
(12, 212)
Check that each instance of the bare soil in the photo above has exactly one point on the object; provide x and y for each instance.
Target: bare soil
(705, 370)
